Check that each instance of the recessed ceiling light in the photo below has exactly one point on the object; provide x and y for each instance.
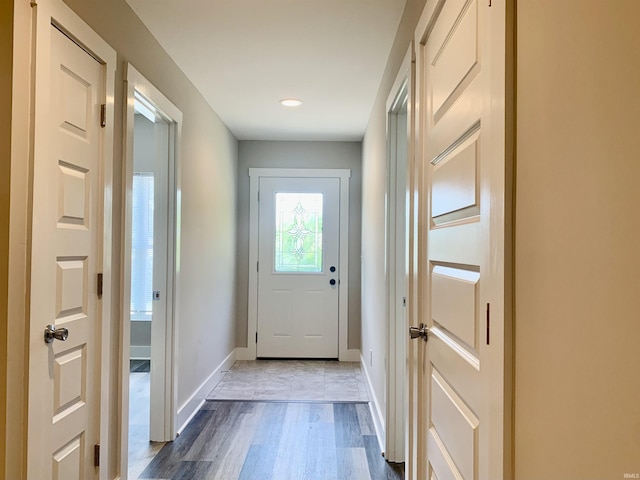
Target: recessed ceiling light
(290, 102)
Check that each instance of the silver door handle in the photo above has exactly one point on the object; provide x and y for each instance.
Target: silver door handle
(419, 332)
(52, 333)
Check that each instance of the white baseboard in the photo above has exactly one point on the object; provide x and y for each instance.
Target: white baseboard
(351, 355)
(189, 408)
(374, 406)
(140, 352)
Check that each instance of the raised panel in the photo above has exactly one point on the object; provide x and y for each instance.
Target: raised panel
(454, 302)
(457, 244)
(68, 461)
(454, 182)
(71, 286)
(75, 102)
(454, 58)
(455, 424)
(458, 366)
(441, 464)
(69, 385)
(282, 313)
(73, 195)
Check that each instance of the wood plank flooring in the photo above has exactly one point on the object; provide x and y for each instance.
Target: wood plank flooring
(254, 440)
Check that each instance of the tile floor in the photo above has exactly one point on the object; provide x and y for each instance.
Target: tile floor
(293, 380)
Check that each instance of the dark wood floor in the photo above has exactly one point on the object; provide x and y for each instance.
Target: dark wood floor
(275, 441)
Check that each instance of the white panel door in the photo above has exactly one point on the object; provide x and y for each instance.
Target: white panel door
(298, 276)
(461, 79)
(64, 375)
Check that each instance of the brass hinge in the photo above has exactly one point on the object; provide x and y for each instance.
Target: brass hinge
(488, 323)
(96, 455)
(103, 115)
(99, 285)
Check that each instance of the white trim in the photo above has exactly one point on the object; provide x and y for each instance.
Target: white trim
(165, 384)
(188, 409)
(397, 281)
(351, 355)
(344, 353)
(140, 352)
(374, 407)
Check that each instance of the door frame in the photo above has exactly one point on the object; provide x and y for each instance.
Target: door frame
(55, 12)
(164, 383)
(344, 353)
(397, 251)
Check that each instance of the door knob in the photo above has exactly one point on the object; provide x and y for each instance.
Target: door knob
(52, 333)
(417, 332)
(332, 281)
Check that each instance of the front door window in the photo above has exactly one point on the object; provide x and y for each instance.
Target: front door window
(298, 232)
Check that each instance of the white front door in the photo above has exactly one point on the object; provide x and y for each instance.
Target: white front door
(64, 372)
(298, 269)
(461, 82)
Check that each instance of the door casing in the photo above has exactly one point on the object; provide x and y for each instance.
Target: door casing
(164, 383)
(399, 160)
(344, 353)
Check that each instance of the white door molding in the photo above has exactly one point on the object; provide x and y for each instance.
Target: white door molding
(164, 383)
(344, 353)
(399, 155)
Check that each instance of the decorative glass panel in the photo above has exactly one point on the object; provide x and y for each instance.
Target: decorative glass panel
(142, 247)
(298, 242)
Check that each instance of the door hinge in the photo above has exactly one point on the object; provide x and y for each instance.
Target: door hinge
(256, 337)
(99, 285)
(103, 115)
(488, 323)
(96, 455)
(258, 195)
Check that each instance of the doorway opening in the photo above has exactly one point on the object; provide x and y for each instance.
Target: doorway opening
(150, 274)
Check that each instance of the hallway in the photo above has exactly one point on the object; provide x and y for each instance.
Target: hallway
(231, 440)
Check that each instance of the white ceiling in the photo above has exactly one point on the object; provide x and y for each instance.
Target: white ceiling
(246, 55)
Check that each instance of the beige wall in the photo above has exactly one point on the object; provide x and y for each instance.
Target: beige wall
(577, 403)
(207, 264)
(374, 181)
(274, 154)
(6, 63)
